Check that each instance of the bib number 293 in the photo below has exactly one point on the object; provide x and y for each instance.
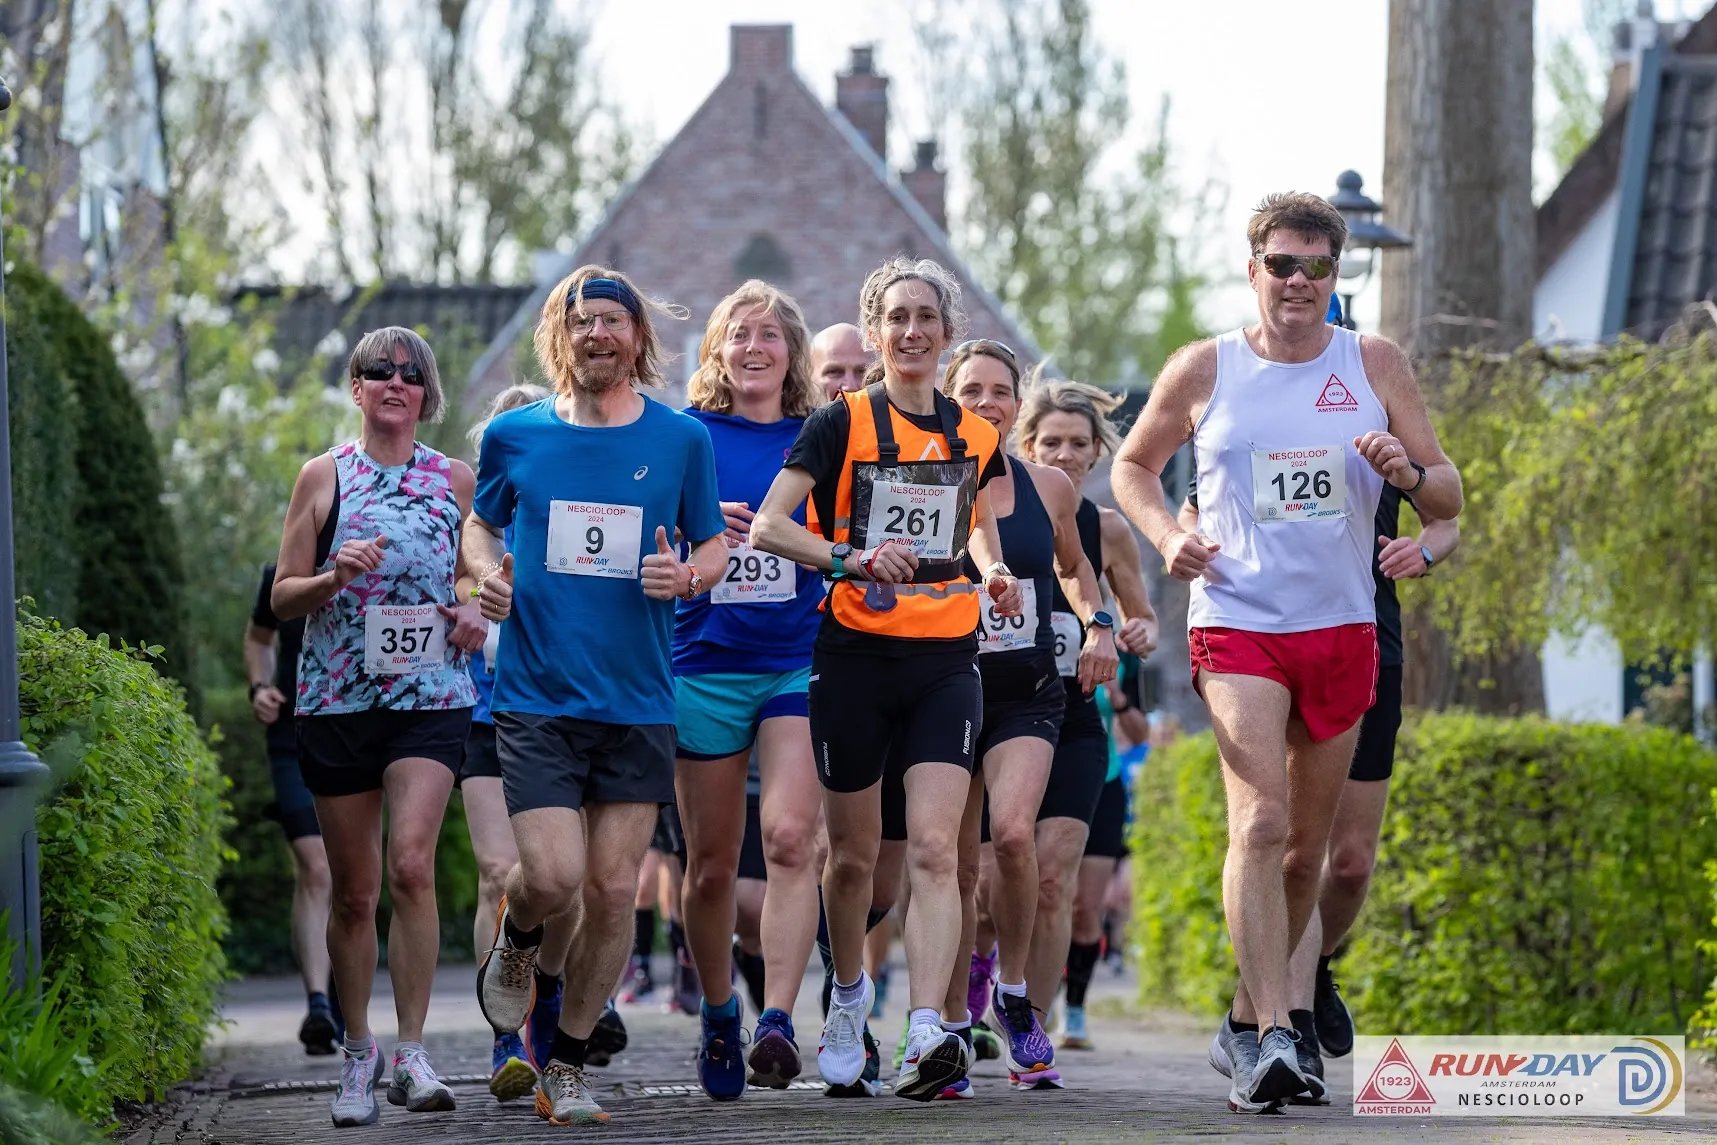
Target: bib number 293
(586, 538)
(755, 578)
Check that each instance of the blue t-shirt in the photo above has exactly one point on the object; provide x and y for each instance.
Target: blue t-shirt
(749, 637)
(483, 672)
(587, 642)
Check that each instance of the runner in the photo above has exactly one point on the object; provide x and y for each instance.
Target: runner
(1023, 705)
(273, 677)
(1320, 1016)
(839, 359)
(896, 473)
(592, 481)
(1295, 426)
(1065, 424)
(368, 556)
(742, 662)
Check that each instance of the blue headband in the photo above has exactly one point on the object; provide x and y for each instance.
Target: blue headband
(609, 288)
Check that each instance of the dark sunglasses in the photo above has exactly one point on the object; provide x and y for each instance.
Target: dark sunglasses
(384, 371)
(984, 343)
(1316, 266)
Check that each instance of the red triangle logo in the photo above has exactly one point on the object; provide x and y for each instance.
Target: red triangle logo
(1336, 395)
(1395, 1081)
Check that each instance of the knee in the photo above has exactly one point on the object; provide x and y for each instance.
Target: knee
(1301, 868)
(552, 887)
(492, 878)
(1053, 887)
(609, 894)
(354, 903)
(1350, 866)
(1262, 828)
(933, 858)
(967, 870)
(411, 873)
(1015, 844)
(789, 847)
(313, 874)
(708, 877)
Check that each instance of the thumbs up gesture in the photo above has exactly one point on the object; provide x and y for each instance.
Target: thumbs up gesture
(356, 558)
(495, 594)
(663, 575)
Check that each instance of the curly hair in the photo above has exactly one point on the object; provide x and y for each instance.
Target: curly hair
(553, 338)
(711, 389)
(902, 268)
(1040, 398)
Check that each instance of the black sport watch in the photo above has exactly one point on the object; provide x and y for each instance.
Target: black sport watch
(1101, 619)
(839, 555)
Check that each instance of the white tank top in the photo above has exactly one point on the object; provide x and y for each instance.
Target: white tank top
(1284, 492)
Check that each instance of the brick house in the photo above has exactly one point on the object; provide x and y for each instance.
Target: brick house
(765, 181)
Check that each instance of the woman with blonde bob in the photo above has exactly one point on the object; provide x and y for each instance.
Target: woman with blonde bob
(742, 664)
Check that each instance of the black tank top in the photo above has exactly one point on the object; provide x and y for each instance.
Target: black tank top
(1090, 539)
(1083, 720)
(1028, 546)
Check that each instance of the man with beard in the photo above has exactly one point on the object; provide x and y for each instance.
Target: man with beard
(599, 484)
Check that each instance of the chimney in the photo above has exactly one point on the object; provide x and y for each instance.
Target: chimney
(862, 96)
(928, 185)
(760, 48)
(1631, 39)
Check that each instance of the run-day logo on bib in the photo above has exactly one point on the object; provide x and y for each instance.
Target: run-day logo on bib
(1336, 397)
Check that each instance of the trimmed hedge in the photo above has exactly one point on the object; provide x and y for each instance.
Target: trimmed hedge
(1532, 878)
(130, 849)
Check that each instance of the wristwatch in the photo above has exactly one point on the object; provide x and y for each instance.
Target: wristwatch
(839, 555)
(1430, 560)
(255, 688)
(694, 587)
(1417, 484)
(1101, 619)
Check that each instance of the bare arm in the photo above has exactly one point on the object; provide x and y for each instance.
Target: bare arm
(298, 588)
(1401, 558)
(1098, 659)
(1177, 400)
(773, 529)
(265, 699)
(1410, 429)
(1126, 576)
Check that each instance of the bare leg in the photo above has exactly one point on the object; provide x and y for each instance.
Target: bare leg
(855, 834)
(985, 939)
(417, 791)
(1352, 856)
(935, 802)
(1016, 772)
(791, 800)
(551, 865)
(712, 796)
(954, 1008)
(312, 897)
(1060, 846)
(619, 836)
(748, 924)
(352, 836)
(492, 845)
(1094, 874)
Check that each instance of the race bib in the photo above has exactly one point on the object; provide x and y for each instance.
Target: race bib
(920, 515)
(590, 539)
(755, 578)
(997, 633)
(1069, 639)
(491, 646)
(1308, 484)
(400, 638)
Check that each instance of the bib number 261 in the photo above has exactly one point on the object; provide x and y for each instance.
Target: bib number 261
(920, 515)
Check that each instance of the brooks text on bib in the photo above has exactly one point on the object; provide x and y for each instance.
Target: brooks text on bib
(920, 515)
(1303, 484)
(586, 538)
(402, 638)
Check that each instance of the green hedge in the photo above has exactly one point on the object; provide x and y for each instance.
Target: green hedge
(1532, 878)
(130, 849)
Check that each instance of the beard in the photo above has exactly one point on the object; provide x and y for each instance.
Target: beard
(600, 376)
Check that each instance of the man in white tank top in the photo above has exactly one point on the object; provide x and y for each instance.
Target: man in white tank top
(1295, 425)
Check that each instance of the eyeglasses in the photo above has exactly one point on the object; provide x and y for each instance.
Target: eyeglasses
(613, 321)
(1316, 266)
(384, 371)
(976, 344)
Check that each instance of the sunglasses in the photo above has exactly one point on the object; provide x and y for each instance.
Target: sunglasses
(1316, 266)
(384, 371)
(983, 344)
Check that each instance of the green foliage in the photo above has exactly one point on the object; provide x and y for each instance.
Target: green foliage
(1574, 75)
(29, 1120)
(1532, 878)
(1589, 500)
(45, 1053)
(130, 850)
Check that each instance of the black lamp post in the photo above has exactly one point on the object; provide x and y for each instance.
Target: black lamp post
(21, 773)
(1365, 233)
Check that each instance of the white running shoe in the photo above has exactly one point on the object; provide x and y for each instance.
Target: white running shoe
(355, 1096)
(936, 1060)
(1276, 1076)
(415, 1085)
(840, 1055)
(564, 1097)
(506, 979)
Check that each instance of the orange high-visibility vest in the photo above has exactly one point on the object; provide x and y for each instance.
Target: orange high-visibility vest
(918, 487)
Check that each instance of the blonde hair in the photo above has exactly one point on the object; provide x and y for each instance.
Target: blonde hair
(379, 346)
(711, 389)
(553, 338)
(982, 348)
(1040, 397)
(901, 268)
(522, 394)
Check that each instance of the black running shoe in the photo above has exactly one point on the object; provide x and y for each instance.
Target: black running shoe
(1311, 1063)
(318, 1033)
(869, 1083)
(607, 1039)
(1330, 1014)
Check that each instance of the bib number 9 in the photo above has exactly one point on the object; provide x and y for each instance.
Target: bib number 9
(755, 578)
(589, 539)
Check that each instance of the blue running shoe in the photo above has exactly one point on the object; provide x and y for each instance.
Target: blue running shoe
(512, 1075)
(1029, 1049)
(540, 1023)
(721, 1061)
(774, 1051)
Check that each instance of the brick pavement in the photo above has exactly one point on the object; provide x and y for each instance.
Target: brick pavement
(1147, 1081)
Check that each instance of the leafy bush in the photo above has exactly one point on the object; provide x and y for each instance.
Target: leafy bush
(1532, 878)
(46, 1055)
(130, 850)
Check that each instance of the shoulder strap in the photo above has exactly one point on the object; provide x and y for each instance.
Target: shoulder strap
(887, 449)
(325, 538)
(950, 414)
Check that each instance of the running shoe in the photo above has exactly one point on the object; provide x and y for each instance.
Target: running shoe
(1333, 1019)
(721, 1059)
(1234, 1055)
(774, 1057)
(959, 1091)
(607, 1038)
(564, 1097)
(540, 1026)
(1276, 1077)
(840, 1054)
(415, 1085)
(636, 985)
(1037, 1079)
(985, 1044)
(1073, 1034)
(1029, 1049)
(355, 1095)
(688, 991)
(506, 979)
(1310, 1061)
(936, 1059)
(511, 1074)
(980, 980)
(869, 1083)
(318, 1031)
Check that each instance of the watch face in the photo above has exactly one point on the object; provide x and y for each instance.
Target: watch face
(1102, 620)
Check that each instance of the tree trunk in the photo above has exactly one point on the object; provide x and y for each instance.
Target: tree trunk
(1457, 177)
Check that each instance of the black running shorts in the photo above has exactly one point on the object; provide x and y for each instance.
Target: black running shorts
(345, 753)
(563, 761)
(1108, 838)
(1081, 760)
(1374, 756)
(873, 714)
(751, 864)
(482, 760)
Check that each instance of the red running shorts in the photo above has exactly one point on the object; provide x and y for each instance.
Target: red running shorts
(1330, 673)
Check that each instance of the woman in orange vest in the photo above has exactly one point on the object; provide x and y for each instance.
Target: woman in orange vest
(895, 473)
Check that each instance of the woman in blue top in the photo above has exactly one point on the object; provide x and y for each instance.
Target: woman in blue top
(742, 663)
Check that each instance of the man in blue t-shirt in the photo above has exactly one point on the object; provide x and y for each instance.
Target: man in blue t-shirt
(598, 484)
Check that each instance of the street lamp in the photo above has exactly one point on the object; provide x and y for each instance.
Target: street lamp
(21, 773)
(1365, 237)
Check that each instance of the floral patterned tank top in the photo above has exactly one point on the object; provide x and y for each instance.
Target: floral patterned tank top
(379, 642)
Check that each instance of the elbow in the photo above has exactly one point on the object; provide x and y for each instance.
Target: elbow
(766, 533)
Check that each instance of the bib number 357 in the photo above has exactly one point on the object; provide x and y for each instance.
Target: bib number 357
(403, 638)
(1300, 484)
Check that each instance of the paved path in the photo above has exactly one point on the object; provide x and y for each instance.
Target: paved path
(1147, 1081)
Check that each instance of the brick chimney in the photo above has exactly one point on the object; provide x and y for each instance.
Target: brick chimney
(928, 185)
(760, 47)
(862, 96)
